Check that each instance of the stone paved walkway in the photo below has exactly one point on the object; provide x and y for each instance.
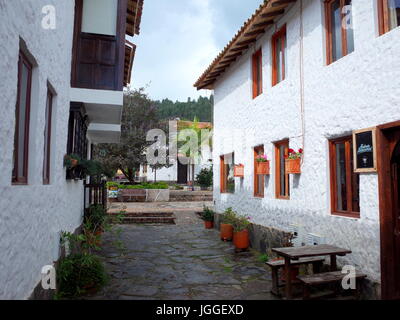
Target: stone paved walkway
(182, 261)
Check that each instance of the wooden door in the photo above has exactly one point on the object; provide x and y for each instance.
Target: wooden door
(389, 196)
(182, 173)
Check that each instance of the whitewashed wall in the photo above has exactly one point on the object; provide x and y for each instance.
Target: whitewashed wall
(31, 217)
(358, 91)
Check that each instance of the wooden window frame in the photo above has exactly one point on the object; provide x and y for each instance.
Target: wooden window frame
(257, 79)
(22, 180)
(224, 175)
(278, 171)
(348, 141)
(280, 35)
(48, 126)
(383, 17)
(328, 28)
(258, 193)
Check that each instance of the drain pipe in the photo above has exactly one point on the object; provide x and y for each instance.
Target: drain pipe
(303, 126)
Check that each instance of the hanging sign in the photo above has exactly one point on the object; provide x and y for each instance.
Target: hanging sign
(364, 150)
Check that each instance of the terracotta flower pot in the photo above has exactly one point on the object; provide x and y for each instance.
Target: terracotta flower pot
(262, 168)
(238, 171)
(293, 166)
(241, 239)
(209, 224)
(226, 231)
(74, 162)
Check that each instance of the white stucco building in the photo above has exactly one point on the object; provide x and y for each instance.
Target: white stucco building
(297, 75)
(62, 72)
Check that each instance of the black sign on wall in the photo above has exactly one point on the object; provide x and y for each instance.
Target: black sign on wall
(364, 150)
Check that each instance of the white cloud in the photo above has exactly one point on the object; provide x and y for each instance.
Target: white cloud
(178, 40)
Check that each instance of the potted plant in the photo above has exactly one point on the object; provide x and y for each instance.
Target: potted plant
(226, 225)
(238, 171)
(262, 165)
(71, 161)
(205, 178)
(293, 161)
(208, 217)
(241, 233)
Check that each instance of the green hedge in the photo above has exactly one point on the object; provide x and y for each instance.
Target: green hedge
(158, 185)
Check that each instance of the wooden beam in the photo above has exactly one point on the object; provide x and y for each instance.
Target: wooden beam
(245, 42)
(233, 55)
(255, 32)
(273, 14)
(263, 24)
(278, 3)
(239, 48)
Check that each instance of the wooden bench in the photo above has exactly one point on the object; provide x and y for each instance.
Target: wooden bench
(334, 277)
(278, 264)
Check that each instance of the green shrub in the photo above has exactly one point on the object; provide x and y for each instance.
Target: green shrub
(229, 216)
(241, 223)
(205, 177)
(96, 218)
(78, 273)
(157, 185)
(207, 214)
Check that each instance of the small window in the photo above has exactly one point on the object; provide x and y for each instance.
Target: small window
(227, 180)
(257, 73)
(389, 15)
(47, 137)
(279, 56)
(339, 29)
(258, 179)
(22, 117)
(344, 182)
(281, 177)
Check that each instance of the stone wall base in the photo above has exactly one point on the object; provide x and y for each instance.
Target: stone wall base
(38, 292)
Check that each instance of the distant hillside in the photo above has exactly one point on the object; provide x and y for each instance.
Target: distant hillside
(202, 108)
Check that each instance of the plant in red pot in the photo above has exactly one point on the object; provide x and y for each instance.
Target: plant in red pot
(208, 216)
(293, 161)
(241, 233)
(226, 226)
(262, 164)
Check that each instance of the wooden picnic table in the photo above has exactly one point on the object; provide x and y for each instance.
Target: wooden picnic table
(295, 253)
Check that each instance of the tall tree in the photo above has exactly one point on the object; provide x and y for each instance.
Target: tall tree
(139, 115)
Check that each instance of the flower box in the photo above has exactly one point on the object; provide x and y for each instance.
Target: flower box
(262, 168)
(293, 166)
(238, 171)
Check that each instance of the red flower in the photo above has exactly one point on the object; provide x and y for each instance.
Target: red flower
(300, 150)
(291, 151)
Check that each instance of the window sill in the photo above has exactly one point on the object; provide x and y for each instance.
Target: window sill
(338, 60)
(258, 197)
(352, 215)
(283, 198)
(19, 183)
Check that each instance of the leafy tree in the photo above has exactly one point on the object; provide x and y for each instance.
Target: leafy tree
(139, 115)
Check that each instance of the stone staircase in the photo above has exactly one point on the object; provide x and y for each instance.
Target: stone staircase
(146, 217)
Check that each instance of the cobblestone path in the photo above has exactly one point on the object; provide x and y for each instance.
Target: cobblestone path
(182, 261)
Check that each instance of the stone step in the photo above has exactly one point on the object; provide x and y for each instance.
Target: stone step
(148, 220)
(142, 214)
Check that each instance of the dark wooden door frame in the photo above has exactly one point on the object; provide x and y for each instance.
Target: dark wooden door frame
(388, 268)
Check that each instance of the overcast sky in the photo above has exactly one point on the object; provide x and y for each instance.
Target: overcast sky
(179, 39)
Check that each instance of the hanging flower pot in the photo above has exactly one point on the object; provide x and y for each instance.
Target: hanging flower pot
(293, 162)
(262, 168)
(238, 171)
(293, 166)
(226, 232)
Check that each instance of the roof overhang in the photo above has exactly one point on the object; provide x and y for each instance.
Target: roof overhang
(264, 17)
(130, 50)
(134, 17)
